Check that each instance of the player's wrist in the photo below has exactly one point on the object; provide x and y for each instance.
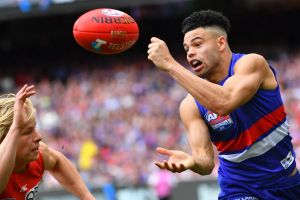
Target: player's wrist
(202, 167)
(172, 66)
(15, 130)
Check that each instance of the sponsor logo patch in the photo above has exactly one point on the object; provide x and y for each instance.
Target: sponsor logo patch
(289, 159)
(246, 198)
(218, 123)
(31, 194)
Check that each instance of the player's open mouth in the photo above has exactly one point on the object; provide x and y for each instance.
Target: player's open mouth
(36, 149)
(195, 64)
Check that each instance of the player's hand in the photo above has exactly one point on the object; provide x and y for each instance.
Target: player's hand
(179, 161)
(159, 54)
(19, 117)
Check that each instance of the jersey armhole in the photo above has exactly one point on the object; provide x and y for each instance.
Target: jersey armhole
(200, 108)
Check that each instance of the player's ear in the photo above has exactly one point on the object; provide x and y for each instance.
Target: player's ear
(221, 42)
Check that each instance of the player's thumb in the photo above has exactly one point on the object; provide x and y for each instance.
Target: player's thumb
(164, 151)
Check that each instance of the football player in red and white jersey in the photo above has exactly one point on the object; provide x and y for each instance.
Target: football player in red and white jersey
(24, 157)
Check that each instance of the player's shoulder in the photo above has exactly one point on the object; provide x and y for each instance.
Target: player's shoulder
(49, 155)
(44, 149)
(188, 104)
(252, 62)
(254, 57)
(187, 100)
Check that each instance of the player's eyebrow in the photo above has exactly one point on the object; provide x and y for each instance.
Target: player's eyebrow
(196, 38)
(30, 128)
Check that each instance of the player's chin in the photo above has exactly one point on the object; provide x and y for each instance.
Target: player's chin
(33, 156)
(198, 73)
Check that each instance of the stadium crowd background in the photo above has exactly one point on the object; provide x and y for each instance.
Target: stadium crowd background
(107, 114)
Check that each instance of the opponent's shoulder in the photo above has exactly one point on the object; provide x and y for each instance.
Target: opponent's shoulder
(49, 155)
(43, 148)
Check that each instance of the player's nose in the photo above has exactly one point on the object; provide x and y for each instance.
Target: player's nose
(191, 52)
(37, 136)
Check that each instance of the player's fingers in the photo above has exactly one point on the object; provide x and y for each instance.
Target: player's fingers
(159, 164)
(22, 89)
(151, 45)
(149, 51)
(170, 166)
(150, 57)
(152, 48)
(167, 166)
(27, 92)
(155, 39)
(164, 166)
(176, 167)
(23, 96)
(29, 88)
(182, 167)
(164, 151)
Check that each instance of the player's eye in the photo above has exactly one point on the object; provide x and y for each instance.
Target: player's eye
(28, 131)
(197, 44)
(186, 49)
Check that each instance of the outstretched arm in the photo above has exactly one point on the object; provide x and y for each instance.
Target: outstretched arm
(8, 146)
(202, 159)
(198, 136)
(65, 172)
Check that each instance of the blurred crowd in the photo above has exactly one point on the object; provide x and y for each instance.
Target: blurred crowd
(288, 70)
(109, 120)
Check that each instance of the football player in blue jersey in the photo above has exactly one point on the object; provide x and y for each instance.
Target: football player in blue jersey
(234, 103)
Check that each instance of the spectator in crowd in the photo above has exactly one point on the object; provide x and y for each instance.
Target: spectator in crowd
(162, 181)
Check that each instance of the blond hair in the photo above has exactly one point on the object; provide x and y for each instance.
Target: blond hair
(7, 102)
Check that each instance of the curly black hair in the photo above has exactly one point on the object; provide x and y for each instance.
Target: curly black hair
(205, 18)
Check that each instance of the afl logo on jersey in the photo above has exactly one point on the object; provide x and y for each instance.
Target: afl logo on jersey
(218, 123)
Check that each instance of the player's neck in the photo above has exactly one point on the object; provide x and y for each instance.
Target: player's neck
(221, 70)
(20, 167)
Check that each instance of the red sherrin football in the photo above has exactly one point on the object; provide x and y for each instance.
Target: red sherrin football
(106, 31)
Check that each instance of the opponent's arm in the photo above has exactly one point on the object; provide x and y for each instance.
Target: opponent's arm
(8, 146)
(65, 172)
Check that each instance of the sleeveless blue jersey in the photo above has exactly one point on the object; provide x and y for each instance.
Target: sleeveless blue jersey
(253, 141)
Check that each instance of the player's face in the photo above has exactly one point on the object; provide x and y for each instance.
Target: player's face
(202, 51)
(28, 146)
